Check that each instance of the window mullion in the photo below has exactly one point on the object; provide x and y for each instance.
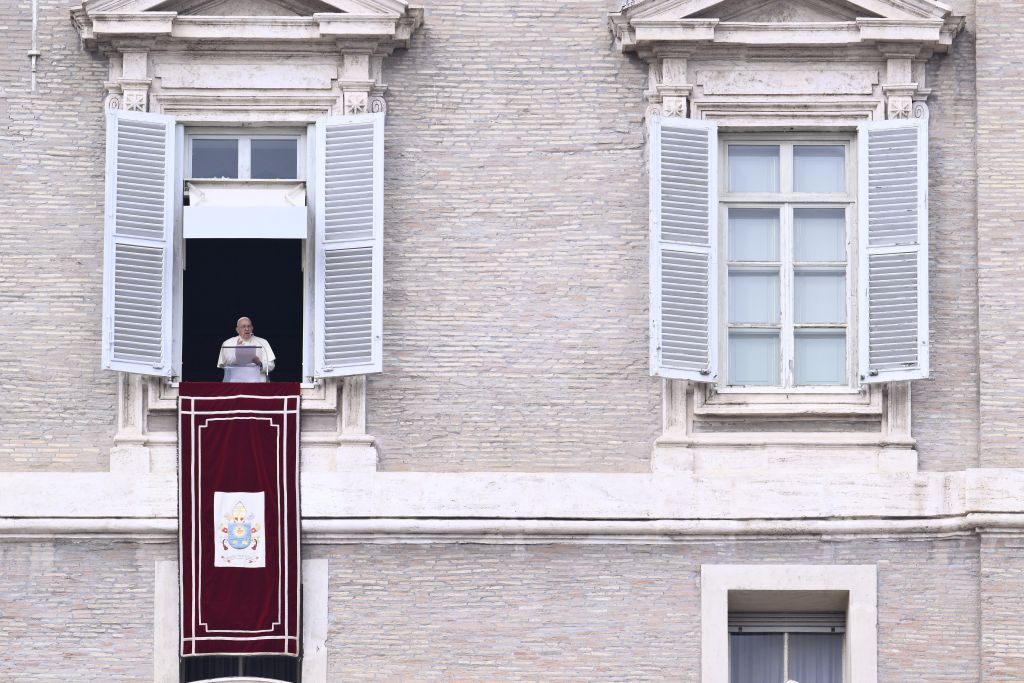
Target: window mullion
(785, 656)
(786, 292)
(245, 158)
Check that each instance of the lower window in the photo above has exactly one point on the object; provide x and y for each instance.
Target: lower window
(776, 647)
(272, 668)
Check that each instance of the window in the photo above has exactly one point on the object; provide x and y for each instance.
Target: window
(785, 210)
(268, 156)
(775, 623)
(263, 668)
(755, 282)
(806, 647)
(339, 267)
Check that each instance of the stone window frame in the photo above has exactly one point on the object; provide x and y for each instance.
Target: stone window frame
(167, 626)
(185, 66)
(699, 54)
(860, 582)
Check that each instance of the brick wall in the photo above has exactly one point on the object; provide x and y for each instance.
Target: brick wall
(516, 251)
(58, 405)
(616, 612)
(516, 246)
(77, 611)
(1000, 221)
(1002, 603)
(945, 407)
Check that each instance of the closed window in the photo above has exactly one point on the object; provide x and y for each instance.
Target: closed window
(266, 156)
(785, 231)
(783, 646)
(789, 263)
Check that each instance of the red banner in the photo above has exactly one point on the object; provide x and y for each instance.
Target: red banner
(239, 518)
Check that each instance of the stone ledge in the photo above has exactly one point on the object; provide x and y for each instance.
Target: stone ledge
(548, 496)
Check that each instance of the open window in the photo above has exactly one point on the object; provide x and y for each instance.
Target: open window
(282, 226)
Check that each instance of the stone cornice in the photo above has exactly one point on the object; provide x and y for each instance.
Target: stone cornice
(31, 501)
(378, 31)
(661, 27)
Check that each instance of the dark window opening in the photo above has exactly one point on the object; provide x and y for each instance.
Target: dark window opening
(229, 278)
(276, 668)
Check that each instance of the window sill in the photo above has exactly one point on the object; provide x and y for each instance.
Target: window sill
(734, 402)
(748, 434)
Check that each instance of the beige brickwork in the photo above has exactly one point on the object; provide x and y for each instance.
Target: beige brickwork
(616, 612)
(1002, 603)
(59, 412)
(73, 611)
(1000, 48)
(945, 407)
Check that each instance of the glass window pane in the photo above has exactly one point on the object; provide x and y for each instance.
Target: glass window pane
(820, 358)
(271, 159)
(753, 168)
(755, 658)
(214, 158)
(753, 296)
(819, 234)
(753, 234)
(819, 168)
(754, 357)
(820, 298)
(816, 657)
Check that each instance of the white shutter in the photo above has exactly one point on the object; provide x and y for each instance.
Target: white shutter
(138, 244)
(348, 308)
(893, 237)
(683, 225)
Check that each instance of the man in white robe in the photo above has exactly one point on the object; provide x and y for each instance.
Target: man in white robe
(262, 356)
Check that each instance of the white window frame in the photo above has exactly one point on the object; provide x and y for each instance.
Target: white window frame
(860, 582)
(304, 141)
(786, 200)
(245, 139)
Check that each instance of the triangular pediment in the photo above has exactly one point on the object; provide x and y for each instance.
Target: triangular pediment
(785, 11)
(245, 8)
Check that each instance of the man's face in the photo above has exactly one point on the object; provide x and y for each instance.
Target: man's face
(244, 328)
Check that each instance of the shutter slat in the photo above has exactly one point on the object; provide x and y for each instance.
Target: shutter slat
(139, 240)
(350, 237)
(683, 234)
(893, 250)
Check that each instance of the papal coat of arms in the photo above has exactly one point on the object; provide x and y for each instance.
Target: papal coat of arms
(239, 527)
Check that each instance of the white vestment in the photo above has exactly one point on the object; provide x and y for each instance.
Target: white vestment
(263, 352)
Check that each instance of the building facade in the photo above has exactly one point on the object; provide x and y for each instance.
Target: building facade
(666, 328)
